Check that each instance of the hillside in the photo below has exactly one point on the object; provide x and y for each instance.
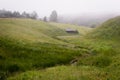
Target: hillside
(74, 39)
(27, 44)
(100, 59)
(59, 73)
(81, 29)
(35, 31)
(31, 49)
(28, 31)
(108, 30)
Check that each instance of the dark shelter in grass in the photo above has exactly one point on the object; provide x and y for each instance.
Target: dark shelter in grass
(74, 31)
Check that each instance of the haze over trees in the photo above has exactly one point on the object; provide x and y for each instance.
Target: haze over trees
(90, 20)
(33, 15)
(45, 19)
(16, 14)
(60, 40)
(48, 45)
(53, 16)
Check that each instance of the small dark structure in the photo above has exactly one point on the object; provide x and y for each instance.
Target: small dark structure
(74, 31)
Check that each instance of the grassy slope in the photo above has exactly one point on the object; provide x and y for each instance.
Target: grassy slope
(63, 73)
(74, 39)
(109, 30)
(34, 31)
(27, 44)
(28, 30)
(101, 63)
(81, 29)
(105, 46)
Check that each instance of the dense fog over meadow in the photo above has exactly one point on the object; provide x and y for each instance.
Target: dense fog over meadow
(45, 39)
(78, 12)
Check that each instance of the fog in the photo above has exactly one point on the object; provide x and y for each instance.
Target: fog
(78, 12)
(63, 7)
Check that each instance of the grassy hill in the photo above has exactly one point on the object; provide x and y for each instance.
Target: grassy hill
(108, 30)
(99, 61)
(105, 46)
(81, 29)
(74, 39)
(35, 31)
(28, 30)
(96, 52)
(27, 44)
(63, 73)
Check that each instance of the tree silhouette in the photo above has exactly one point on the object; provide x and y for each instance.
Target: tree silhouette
(45, 19)
(53, 16)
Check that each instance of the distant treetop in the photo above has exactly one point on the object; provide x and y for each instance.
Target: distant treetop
(53, 16)
(16, 14)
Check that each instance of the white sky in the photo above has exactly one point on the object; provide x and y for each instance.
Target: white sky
(44, 7)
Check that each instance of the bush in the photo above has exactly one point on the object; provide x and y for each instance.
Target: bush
(13, 68)
(1, 57)
(101, 61)
(3, 76)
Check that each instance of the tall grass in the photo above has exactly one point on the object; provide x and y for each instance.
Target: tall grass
(97, 54)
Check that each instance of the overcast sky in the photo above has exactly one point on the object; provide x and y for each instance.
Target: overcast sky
(44, 7)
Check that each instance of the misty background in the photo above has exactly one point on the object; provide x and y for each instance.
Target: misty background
(78, 12)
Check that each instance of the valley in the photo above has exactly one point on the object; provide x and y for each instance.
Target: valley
(38, 50)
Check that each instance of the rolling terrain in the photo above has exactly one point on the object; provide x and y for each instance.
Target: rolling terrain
(109, 30)
(36, 50)
(27, 44)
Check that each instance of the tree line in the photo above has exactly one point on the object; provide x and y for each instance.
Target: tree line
(16, 14)
(53, 17)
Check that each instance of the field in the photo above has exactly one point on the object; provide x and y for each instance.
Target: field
(36, 50)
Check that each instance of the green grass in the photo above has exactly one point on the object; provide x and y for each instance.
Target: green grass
(81, 29)
(109, 30)
(74, 39)
(28, 30)
(48, 45)
(27, 44)
(63, 73)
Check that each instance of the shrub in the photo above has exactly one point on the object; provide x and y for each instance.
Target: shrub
(101, 61)
(3, 76)
(13, 68)
(1, 57)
